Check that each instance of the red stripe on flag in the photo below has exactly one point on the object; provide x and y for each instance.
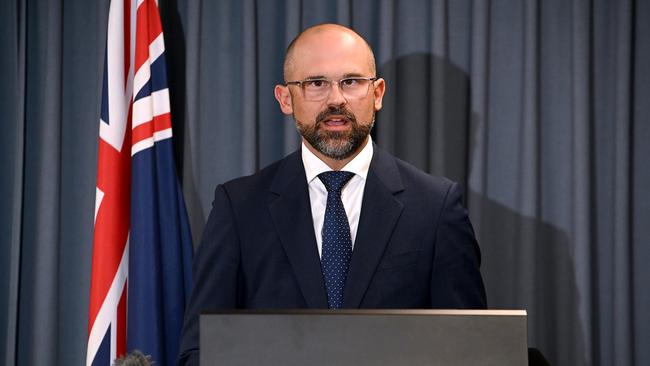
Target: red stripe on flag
(146, 130)
(148, 28)
(155, 27)
(141, 40)
(127, 39)
(112, 221)
(162, 122)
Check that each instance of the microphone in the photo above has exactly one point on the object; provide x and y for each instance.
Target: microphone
(135, 358)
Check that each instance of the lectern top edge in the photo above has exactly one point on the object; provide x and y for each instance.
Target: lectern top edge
(500, 312)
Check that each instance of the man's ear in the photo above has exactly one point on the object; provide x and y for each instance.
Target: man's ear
(380, 89)
(283, 96)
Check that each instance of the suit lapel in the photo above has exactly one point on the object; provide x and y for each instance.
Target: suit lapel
(291, 213)
(380, 212)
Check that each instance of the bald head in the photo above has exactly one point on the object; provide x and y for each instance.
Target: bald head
(325, 38)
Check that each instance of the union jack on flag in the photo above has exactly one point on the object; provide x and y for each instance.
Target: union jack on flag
(142, 247)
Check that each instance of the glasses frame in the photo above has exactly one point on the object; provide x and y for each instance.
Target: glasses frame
(337, 82)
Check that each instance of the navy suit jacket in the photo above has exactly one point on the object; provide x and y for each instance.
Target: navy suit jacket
(415, 246)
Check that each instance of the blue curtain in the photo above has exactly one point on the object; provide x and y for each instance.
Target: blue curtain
(538, 108)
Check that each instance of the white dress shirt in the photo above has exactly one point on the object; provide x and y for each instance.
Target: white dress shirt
(351, 194)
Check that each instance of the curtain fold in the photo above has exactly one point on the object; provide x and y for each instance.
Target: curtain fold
(39, 272)
(581, 167)
(641, 181)
(622, 249)
(12, 157)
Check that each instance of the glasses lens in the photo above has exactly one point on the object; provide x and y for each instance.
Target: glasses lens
(354, 88)
(316, 89)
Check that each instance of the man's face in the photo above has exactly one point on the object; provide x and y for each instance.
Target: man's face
(338, 125)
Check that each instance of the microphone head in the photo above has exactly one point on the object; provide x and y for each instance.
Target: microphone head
(135, 358)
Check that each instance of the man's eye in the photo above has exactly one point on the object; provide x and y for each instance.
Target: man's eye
(349, 82)
(315, 83)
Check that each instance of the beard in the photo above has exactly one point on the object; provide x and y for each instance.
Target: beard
(337, 145)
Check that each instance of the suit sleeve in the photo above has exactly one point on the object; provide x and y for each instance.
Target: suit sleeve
(456, 281)
(215, 270)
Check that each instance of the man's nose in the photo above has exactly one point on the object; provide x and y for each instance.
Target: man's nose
(336, 96)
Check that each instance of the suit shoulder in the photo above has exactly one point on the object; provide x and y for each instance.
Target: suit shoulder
(258, 182)
(416, 178)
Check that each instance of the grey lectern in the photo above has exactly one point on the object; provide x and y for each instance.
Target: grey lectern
(364, 337)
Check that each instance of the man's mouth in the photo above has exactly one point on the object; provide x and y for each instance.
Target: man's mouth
(336, 121)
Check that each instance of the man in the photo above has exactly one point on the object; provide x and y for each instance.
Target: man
(289, 237)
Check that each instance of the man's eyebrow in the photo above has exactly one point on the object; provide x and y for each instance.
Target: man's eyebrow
(353, 75)
(315, 77)
(345, 76)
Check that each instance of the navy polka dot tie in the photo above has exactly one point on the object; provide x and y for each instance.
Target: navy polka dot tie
(337, 244)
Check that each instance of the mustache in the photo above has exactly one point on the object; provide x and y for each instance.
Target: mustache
(335, 111)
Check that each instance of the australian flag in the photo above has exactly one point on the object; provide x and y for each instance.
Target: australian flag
(142, 247)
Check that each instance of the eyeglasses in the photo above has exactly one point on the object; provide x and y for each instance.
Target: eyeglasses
(315, 90)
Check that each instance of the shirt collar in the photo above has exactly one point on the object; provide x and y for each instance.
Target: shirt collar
(359, 165)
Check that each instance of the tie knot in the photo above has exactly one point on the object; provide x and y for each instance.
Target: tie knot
(335, 180)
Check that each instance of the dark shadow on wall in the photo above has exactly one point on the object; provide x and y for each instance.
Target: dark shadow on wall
(424, 119)
(176, 79)
(526, 262)
(176, 58)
